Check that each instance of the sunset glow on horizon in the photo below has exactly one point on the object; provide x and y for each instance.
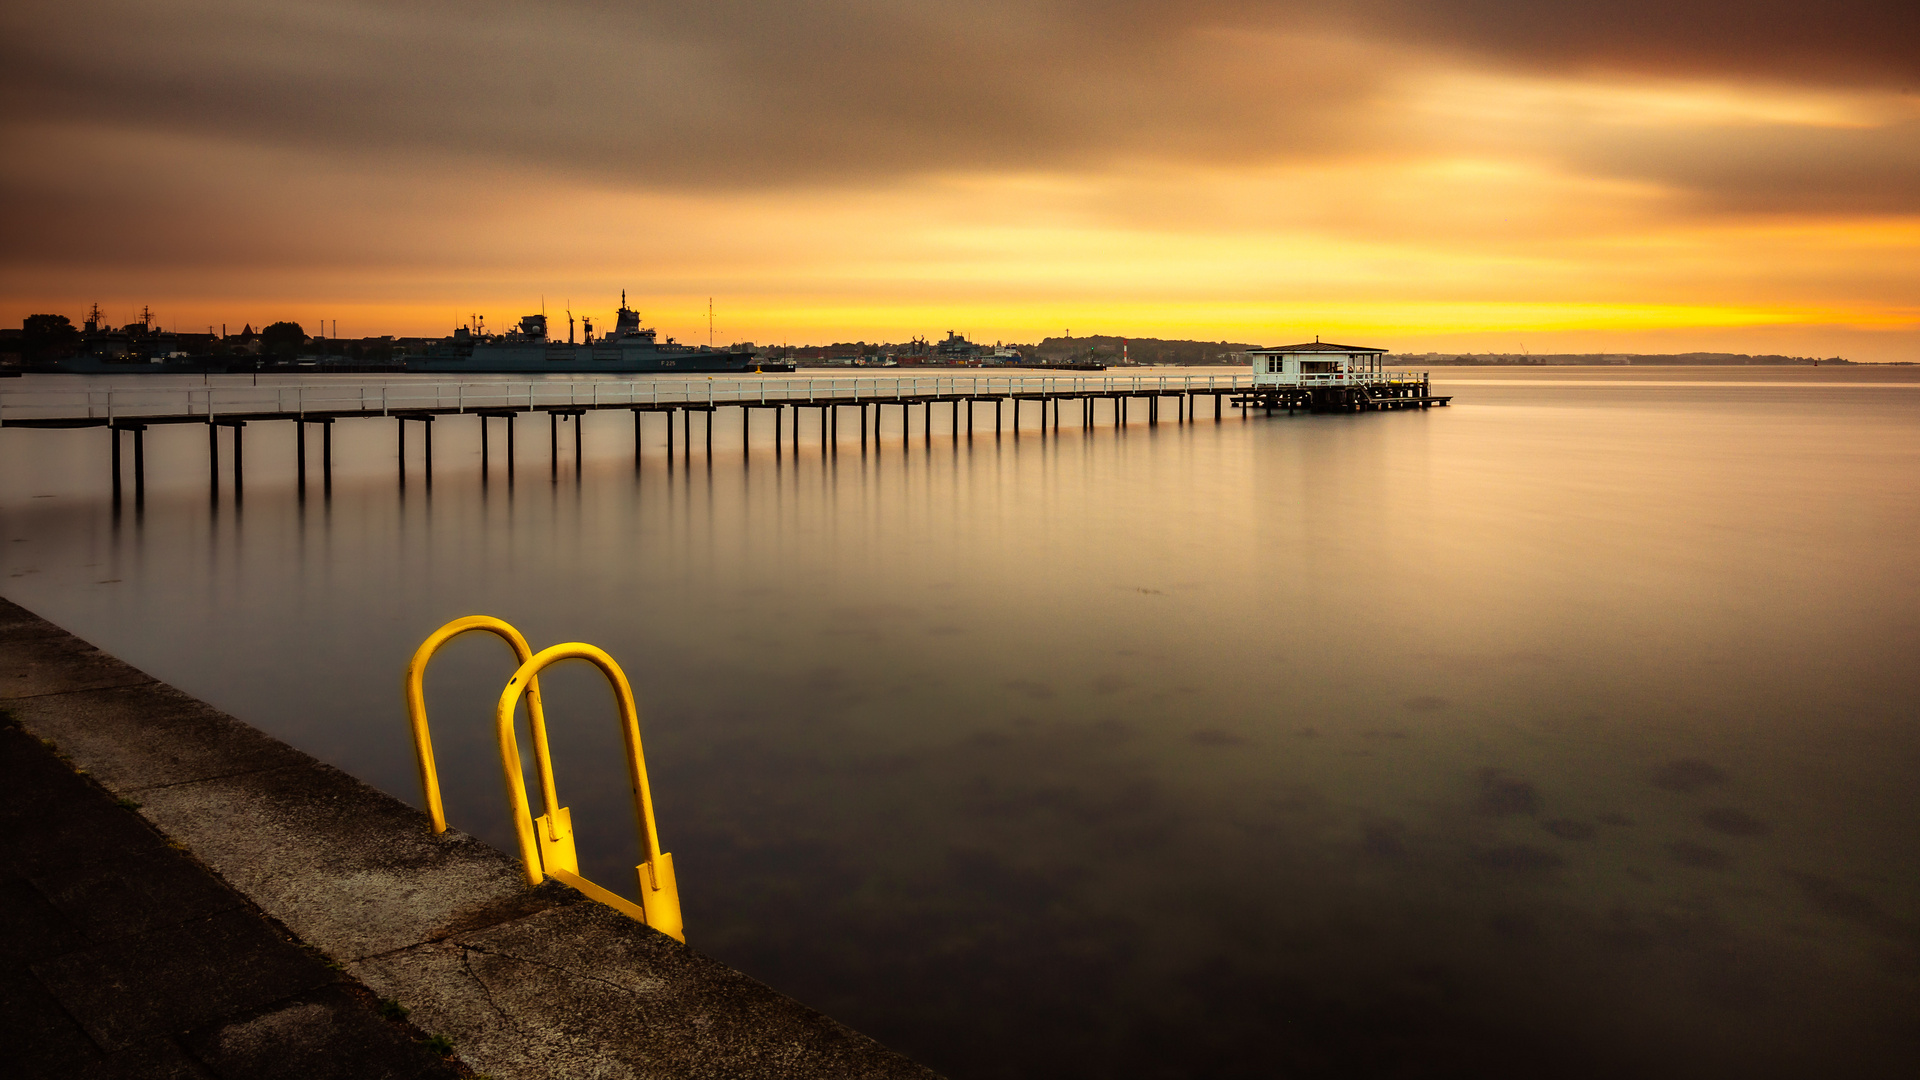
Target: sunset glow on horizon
(1256, 176)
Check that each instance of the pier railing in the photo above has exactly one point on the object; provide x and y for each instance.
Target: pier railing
(414, 394)
(1348, 378)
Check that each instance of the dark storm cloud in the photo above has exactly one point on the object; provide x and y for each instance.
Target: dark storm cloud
(756, 93)
(717, 92)
(1844, 41)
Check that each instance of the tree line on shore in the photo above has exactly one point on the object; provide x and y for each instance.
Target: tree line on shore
(46, 336)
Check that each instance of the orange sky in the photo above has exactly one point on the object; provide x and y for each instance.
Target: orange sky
(1454, 175)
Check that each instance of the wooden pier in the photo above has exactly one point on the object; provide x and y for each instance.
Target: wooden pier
(1017, 403)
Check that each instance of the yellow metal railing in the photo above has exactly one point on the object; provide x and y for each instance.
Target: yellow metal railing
(417, 709)
(550, 837)
(546, 842)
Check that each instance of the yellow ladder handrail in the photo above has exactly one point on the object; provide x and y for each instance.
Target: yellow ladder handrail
(546, 845)
(417, 710)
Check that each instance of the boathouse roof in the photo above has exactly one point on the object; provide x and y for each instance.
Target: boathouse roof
(1317, 346)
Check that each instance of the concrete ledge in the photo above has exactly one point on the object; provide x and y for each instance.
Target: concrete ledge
(184, 739)
(122, 956)
(527, 983)
(351, 871)
(555, 989)
(37, 664)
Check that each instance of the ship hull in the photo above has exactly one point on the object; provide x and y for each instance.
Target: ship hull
(540, 358)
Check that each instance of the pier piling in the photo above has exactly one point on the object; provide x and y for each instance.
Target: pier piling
(1383, 393)
(139, 462)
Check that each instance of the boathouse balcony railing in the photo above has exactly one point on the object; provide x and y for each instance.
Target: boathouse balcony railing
(1348, 378)
(386, 398)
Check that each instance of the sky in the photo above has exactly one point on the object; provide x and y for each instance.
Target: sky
(1418, 175)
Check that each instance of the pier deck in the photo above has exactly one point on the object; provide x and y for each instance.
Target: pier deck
(125, 406)
(134, 409)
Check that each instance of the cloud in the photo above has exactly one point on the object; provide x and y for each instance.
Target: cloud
(744, 93)
(1774, 169)
(1846, 42)
(848, 155)
(728, 93)
(1716, 148)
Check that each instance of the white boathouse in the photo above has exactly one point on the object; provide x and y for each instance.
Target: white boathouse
(1317, 363)
(1324, 377)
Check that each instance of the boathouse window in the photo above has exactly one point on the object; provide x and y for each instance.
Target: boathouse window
(1319, 367)
(1275, 365)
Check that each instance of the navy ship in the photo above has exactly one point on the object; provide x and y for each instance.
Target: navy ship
(141, 348)
(527, 349)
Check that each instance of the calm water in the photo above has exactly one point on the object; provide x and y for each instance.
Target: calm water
(1568, 731)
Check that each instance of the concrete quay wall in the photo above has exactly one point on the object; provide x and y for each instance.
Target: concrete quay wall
(526, 982)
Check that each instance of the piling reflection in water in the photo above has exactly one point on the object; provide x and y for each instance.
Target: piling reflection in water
(1567, 731)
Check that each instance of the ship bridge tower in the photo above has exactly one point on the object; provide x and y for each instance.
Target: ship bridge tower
(627, 321)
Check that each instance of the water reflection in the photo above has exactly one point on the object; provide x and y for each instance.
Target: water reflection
(1567, 731)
